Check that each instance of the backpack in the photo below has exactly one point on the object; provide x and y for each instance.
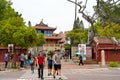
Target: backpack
(31, 61)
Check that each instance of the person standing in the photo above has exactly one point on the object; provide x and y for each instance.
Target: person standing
(22, 58)
(57, 63)
(81, 60)
(6, 60)
(40, 64)
(26, 59)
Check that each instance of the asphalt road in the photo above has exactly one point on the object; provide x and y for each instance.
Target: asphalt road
(67, 74)
(70, 71)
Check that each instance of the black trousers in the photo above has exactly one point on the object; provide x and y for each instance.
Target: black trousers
(21, 64)
(6, 63)
(81, 62)
(40, 71)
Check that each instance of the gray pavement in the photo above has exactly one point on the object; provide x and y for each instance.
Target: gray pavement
(70, 71)
(28, 76)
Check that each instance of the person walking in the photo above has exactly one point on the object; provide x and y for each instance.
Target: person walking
(6, 60)
(32, 63)
(81, 60)
(29, 57)
(57, 63)
(50, 64)
(40, 64)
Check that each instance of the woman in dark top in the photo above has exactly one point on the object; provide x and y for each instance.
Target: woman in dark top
(50, 63)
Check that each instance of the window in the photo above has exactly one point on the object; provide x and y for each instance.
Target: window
(38, 31)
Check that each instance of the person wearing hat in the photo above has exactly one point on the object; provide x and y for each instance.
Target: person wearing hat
(57, 63)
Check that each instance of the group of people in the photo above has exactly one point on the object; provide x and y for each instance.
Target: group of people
(53, 64)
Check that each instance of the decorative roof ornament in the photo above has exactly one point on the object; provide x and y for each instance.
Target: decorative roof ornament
(42, 24)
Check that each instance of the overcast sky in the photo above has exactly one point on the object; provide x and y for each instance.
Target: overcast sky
(55, 13)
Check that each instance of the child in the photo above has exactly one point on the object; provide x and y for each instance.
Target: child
(32, 63)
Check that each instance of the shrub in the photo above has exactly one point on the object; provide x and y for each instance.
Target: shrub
(67, 47)
(113, 64)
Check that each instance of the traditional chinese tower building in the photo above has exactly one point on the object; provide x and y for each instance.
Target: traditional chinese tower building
(52, 40)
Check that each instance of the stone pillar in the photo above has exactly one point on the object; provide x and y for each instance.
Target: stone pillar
(102, 58)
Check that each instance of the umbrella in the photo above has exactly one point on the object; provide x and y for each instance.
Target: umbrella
(78, 53)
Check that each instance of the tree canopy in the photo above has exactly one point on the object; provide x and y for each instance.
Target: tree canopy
(13, 29)
(108, 11)
(108, 22)
(78, 36)
(110, 30)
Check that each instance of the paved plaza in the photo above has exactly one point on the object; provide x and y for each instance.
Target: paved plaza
(70, 71)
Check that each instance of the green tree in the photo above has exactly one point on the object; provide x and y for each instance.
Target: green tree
(80, 36)
(109, 31)
(108, 11)
(6, 11)
(20, 36)
(78, 24)
(13, 29)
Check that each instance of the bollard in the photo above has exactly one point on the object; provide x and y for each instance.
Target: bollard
(102, 58)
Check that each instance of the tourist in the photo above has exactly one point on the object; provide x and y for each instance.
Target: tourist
(22, 58)
(26, 60)
(40, 64)
(57, 63)
(32, 63)
(81, 60)
(6, 60)
(50, 63)
(29, 57)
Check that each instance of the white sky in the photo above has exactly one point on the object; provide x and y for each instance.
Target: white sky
(55, 13)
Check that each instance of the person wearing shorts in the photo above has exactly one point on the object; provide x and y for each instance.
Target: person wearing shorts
(50, 64)
(57, 63)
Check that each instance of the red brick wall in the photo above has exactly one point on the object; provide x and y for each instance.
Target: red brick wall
(109, 55)
(2, 53)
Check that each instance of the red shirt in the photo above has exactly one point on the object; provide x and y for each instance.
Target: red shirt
(40, 60)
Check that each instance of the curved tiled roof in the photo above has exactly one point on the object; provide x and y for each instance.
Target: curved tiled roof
(44, 28)
(53, 37)
(104, 40)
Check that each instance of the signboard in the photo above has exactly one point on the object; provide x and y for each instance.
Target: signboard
(10, 48)
(89, 52)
